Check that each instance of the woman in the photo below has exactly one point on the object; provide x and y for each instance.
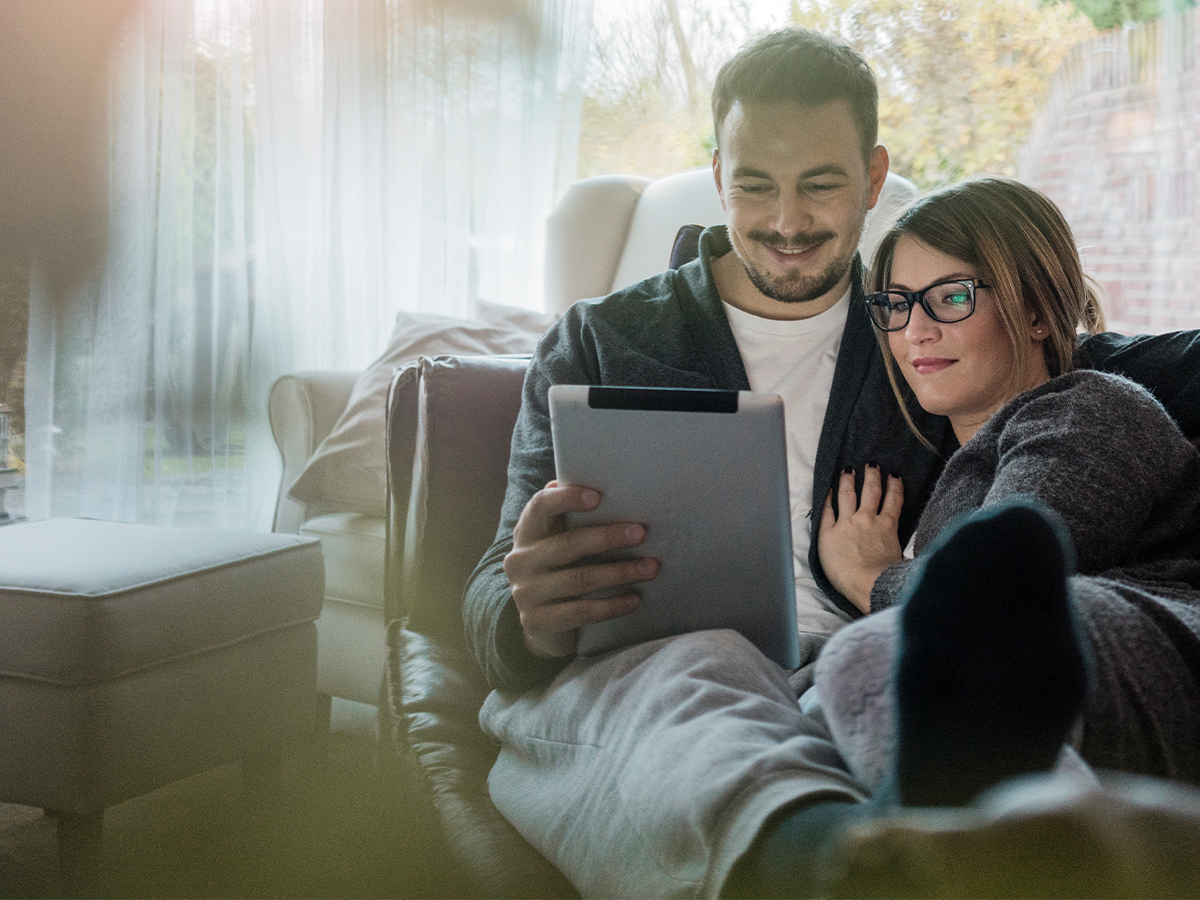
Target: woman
(997, 653)
(1059, 551)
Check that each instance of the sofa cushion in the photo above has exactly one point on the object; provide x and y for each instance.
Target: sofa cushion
(1036, 836)
(354, 547)
(348, 471)
(666, 204)
(84, 601)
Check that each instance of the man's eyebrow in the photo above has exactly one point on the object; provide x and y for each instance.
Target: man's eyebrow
(750, 172)
(827, 169)
(815, 172)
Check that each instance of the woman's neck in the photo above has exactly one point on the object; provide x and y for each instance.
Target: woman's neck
(966, 427)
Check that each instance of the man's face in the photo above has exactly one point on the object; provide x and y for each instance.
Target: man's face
(796, 189)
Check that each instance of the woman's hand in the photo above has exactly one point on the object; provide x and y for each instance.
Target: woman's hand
(857, 545)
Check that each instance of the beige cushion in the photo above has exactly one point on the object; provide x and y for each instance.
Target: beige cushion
(355, 547)
(1039, 836)
(84, 601)
(689, 198)
(349, 469)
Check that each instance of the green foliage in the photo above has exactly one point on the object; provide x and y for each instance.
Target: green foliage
(1109, 14)
(959, 81)
(646, 101)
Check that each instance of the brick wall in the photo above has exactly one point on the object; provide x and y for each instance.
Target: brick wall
(1117, 146)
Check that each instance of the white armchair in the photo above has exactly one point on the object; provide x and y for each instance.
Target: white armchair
(612, 231)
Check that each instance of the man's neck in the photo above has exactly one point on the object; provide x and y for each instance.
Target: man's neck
(735, 288)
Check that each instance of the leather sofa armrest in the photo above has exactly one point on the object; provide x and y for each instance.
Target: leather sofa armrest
(457, 471)
(450, 422)
(303, 407)
(434, 694)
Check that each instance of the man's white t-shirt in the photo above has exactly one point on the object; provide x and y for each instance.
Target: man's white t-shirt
(796, 360)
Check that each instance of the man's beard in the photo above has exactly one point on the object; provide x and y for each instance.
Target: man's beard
(797, 287)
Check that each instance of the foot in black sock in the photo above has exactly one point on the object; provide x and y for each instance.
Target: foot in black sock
(993, 668)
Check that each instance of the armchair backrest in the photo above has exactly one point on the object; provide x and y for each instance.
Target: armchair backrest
(611, 231)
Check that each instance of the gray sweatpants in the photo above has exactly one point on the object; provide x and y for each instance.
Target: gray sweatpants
(648, 771)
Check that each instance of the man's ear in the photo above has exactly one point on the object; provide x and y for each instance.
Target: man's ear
(877, 169)
(716, 166)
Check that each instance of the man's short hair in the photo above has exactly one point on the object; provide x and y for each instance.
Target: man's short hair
(799, 66)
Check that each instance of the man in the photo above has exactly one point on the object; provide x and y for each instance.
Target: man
(651, 770)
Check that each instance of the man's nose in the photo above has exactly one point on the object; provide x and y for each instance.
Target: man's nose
(794, 215)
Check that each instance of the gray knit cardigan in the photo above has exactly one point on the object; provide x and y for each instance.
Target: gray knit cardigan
(1101, 452)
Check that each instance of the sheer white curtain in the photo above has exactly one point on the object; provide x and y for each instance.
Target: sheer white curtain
(285, 176)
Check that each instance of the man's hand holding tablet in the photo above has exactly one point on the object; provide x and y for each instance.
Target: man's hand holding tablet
(550, 570)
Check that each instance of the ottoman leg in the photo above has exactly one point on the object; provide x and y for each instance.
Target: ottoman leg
(79, 837)
(324, 712)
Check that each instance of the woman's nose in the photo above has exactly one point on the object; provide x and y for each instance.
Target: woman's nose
(921, 326)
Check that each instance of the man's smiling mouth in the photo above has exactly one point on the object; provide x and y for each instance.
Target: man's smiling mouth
(797, 246)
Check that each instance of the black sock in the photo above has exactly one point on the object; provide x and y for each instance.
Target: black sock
(993, 668)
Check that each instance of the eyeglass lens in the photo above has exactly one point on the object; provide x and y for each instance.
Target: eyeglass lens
(951, 302)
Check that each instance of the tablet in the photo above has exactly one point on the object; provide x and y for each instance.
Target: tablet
(706, 472)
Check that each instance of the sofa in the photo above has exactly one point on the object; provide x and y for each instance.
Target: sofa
(606, 233)
(1124, 836)
(1121, 836)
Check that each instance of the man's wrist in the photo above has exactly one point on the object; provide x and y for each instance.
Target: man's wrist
(552, 647)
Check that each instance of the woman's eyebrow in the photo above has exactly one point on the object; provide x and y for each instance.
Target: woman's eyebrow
(961, 276)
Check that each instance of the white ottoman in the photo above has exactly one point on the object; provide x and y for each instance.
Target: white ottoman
(133, 656)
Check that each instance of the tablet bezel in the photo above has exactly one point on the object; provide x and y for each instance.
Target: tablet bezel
(706, 472)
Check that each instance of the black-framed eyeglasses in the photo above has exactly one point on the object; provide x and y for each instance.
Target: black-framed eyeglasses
(946, 302)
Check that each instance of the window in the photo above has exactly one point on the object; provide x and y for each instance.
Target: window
(321, 165)
(1094, 110)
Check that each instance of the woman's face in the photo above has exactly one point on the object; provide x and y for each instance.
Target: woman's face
(960, 370)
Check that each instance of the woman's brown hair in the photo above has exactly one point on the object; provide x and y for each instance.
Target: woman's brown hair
(1022, 247)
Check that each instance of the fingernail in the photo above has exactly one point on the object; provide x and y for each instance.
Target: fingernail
(647, 566)
(635, 532)
(872, 465)
(849, 470)
(591, 498)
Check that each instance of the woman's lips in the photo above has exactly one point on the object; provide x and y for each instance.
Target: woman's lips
(927, 365)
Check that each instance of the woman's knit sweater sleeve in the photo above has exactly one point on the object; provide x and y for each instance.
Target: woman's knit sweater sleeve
(1097, 449)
